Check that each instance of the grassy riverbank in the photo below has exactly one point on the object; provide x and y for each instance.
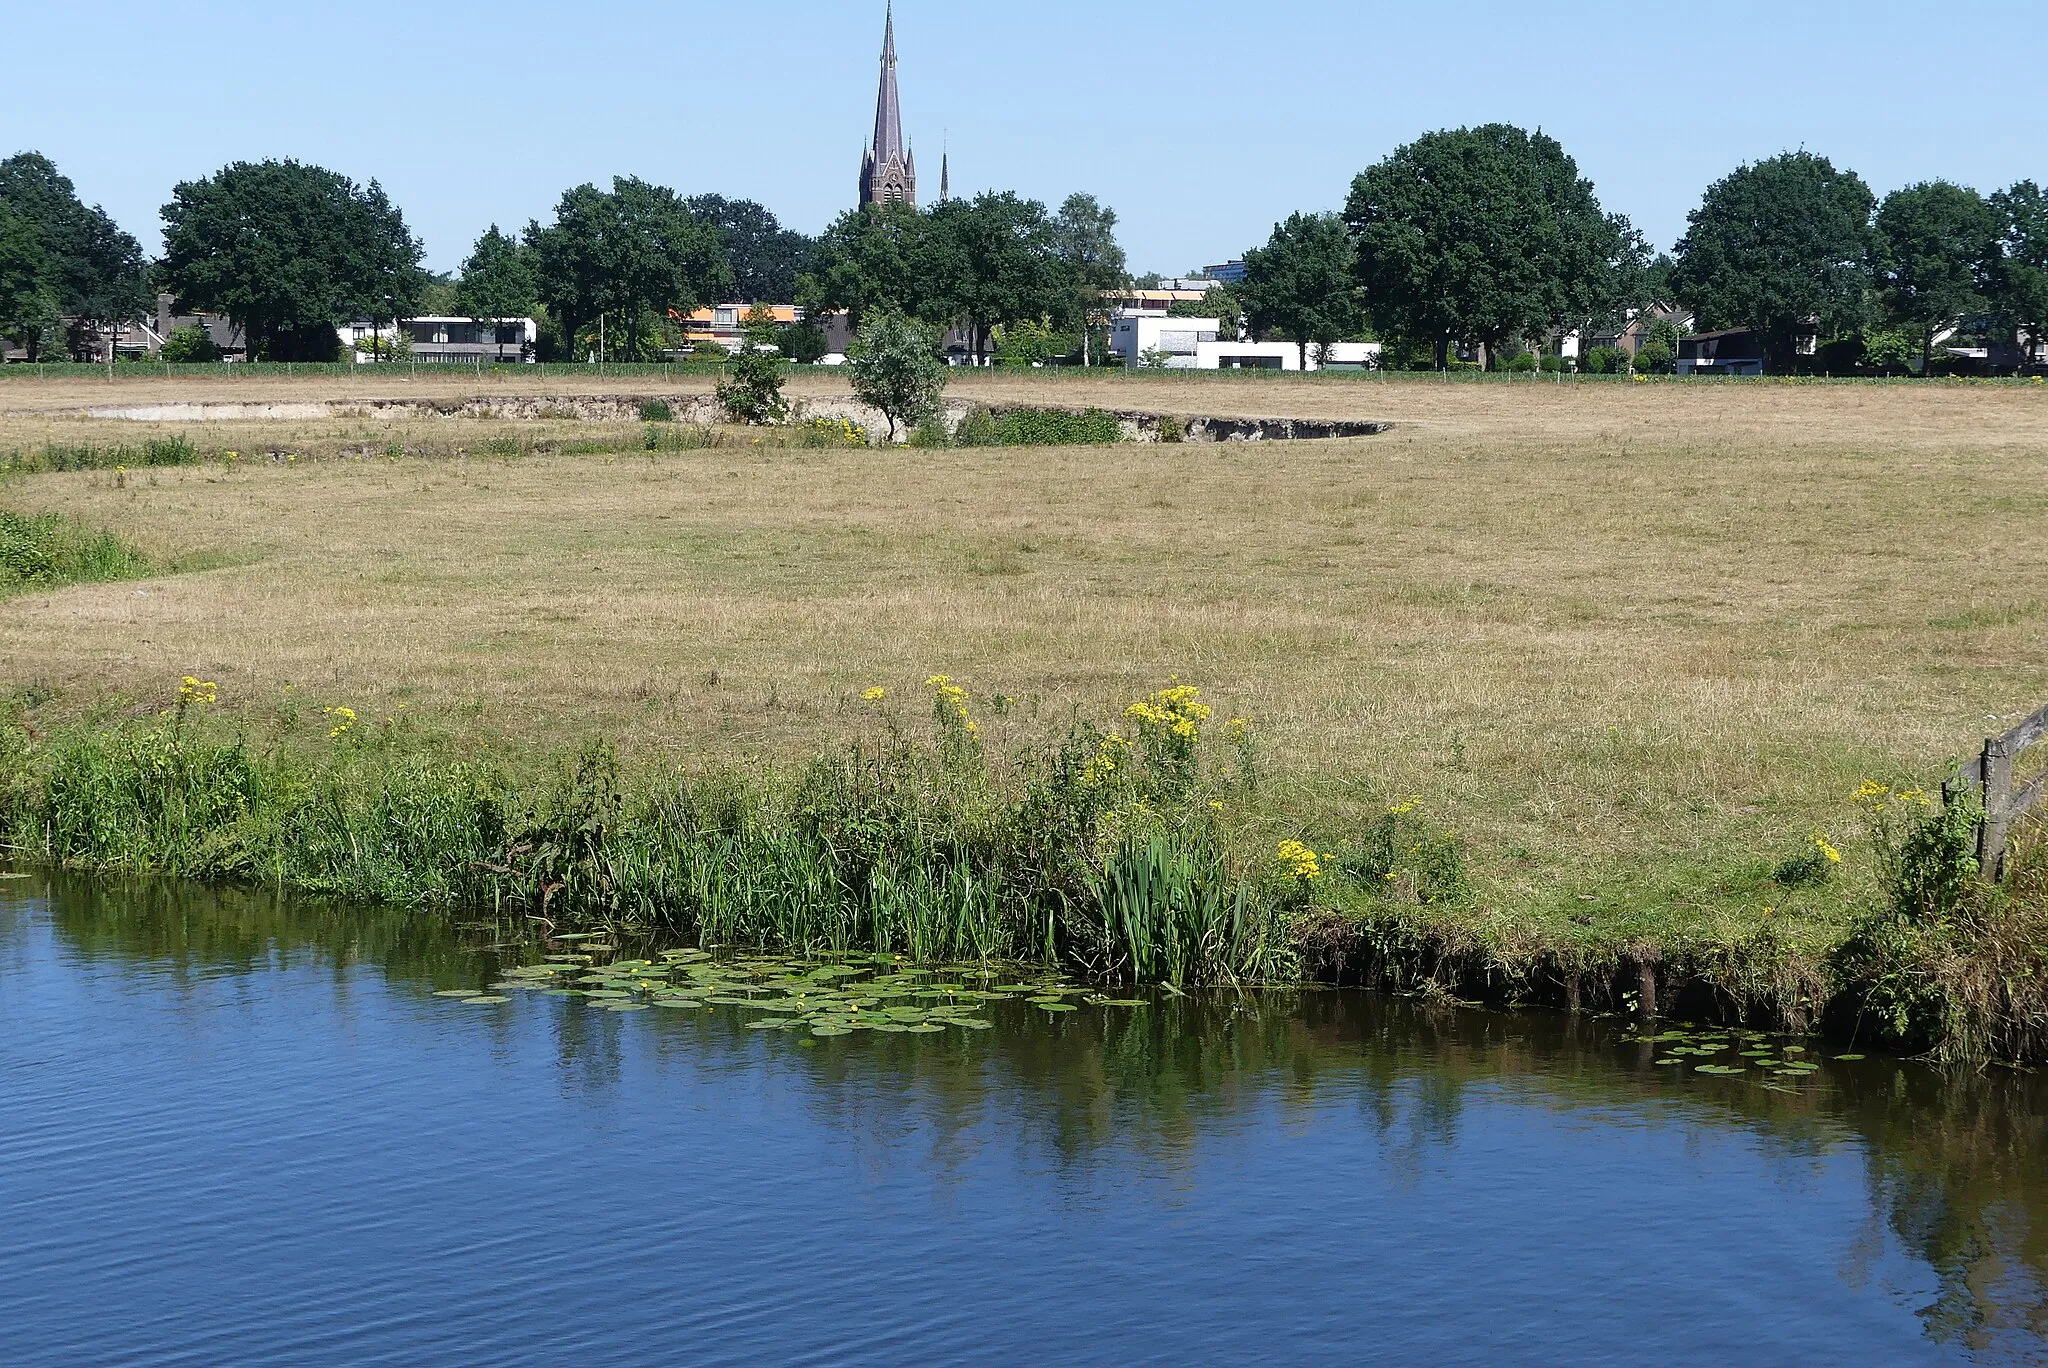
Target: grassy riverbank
(1636, 646)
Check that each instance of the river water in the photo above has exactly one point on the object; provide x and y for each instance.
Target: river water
(235, 1129)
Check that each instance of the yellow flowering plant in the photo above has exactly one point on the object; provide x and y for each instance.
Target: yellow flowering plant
(1169, 726)
(342, 721)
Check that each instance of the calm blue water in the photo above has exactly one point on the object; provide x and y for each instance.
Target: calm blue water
(234, 1132)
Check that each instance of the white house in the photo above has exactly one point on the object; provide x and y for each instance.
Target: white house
(1198, 344)
(1134, 336)
(453, 339)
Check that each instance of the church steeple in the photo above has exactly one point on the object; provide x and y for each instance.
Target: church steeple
(888, 173)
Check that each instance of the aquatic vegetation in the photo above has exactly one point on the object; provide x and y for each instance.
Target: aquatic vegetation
(930, 850)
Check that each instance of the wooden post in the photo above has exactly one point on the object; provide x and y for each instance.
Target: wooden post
(1646, 988)
(1997, 828)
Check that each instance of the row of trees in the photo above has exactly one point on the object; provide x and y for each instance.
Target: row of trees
(1490, 236)
(288, 251)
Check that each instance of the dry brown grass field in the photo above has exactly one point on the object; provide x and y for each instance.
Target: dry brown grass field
(1635, 644)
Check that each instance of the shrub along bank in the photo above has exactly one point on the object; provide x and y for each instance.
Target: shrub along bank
(1137, 852)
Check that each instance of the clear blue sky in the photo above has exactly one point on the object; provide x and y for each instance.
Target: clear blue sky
(1200, 121)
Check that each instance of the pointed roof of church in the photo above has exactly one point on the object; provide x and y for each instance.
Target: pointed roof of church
(888, 106)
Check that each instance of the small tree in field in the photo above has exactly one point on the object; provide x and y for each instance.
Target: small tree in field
(897, 369)
(751, 389)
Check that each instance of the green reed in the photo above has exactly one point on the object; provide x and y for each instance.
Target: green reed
(890, 847)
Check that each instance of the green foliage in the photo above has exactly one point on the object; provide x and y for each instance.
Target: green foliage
(629, 254)
(1520, 363)
(803, 343)
(189, 345)
(50, 550)
(91, 271)
(1607, 361)
(763, 259)
(1033, 342)
(2021, 287)
(1055, 427)
(29, 301)
(898, 847)
(896, 369)
(1951, 963)
(931, 434)
(1655, 357)
(1937, 256)
(1782, 246)
(663, 435)
(978, 429)
(1401, 853)
(163, 451)
(751, 389)
(1489, 235)
(657, 411)
(1302, 283)
(497, 280)
(288, 251)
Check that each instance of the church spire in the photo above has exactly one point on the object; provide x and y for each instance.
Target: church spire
(888, 174)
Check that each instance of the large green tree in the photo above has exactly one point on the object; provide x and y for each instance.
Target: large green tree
(1303, 283)
(994, 260)
(2021, 288)
(287, 251)
(765, 257)
(1084, 240)
(1784, 247)
(634, 251)
(95, 270)
(497, 280)
(884, 258)
(1937, 257)
(28, 282)
(1485, 235)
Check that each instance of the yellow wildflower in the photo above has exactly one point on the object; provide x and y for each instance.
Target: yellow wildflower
(1108, 759)
(874, 695)
(194, 692)
(1826, 848)
(344, 720)
(1403, 808)
(1299, 860)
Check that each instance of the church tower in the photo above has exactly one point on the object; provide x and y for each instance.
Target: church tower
(888, 173)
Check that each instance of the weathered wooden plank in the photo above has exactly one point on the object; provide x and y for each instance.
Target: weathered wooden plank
(2023, 802)
(2027, 733)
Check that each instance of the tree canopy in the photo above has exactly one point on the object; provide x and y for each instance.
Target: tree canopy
(28, 283)
(2021, 294)
(1783, 247)
(1487, 235)
(764, 257)
(92, 269)
(1084, 240)
(1303, 284)
(1937, 256)
(880, 258)
(286, 251)
(999, 264)
(630, 252)
(497, 279)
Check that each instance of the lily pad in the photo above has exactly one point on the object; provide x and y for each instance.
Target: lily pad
(1850, 1058)
(485, 1000)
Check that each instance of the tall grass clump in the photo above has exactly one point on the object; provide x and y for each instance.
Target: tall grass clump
(1951, 963)
(49, 550)
(1089, 851)
(51, 457)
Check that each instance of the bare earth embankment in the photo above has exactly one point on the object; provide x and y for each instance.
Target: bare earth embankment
(1635, 644)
